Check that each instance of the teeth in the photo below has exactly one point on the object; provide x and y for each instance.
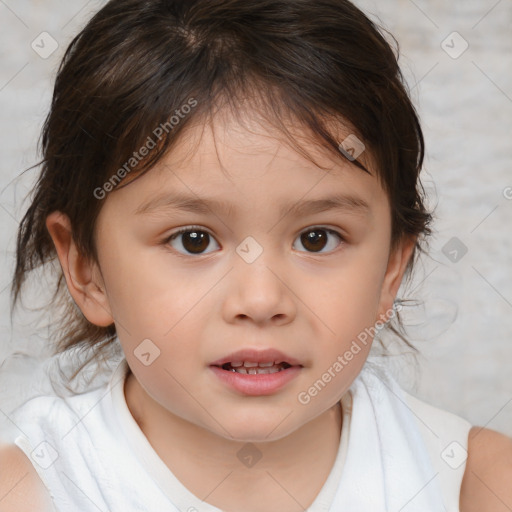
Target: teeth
(251, 364)
(256, 371)
(253, 368)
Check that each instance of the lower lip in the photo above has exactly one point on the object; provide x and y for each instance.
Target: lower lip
(254, 384)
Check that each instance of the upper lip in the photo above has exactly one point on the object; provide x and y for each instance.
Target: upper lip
(257, 356)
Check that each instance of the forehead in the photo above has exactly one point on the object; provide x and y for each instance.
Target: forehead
(246, 159)
(247, 134)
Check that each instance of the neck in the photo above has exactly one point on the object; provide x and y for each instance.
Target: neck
(202, 459)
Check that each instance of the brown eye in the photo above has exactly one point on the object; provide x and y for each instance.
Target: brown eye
(191, 241)
(315, 240)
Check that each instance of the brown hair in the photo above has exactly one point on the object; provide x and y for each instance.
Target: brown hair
(137, 62)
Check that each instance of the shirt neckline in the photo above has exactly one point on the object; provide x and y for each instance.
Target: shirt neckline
(176, 492)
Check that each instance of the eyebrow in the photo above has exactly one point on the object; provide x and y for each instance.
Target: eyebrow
(341, 202)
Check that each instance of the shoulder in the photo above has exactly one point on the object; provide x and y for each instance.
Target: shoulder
(487, 482)
(21, 489)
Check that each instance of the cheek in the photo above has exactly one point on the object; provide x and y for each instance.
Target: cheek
(147, 296)
(166, 383)
(348, 304)
(348, 300)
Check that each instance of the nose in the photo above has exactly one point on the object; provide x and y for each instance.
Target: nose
(258, 292)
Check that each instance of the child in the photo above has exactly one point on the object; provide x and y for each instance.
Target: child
(232, 191)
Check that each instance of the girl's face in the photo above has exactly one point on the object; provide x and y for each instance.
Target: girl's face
(276, 254)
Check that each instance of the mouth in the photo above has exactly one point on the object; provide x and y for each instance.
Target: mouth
(269, 374)
(252, 361)
(253, 368)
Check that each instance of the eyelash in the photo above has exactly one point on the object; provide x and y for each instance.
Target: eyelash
(189, 229)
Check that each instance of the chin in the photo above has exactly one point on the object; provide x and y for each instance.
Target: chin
(257, 429)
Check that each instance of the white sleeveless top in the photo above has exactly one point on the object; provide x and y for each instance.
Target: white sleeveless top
(396, 453)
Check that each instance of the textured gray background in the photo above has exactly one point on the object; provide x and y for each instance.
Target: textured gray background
(464, 328)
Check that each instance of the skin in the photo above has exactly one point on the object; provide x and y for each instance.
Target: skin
(486, 483)
(21, 489)
(198, 308)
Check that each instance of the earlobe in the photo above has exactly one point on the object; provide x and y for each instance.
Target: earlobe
(83, 277)
(397, 265)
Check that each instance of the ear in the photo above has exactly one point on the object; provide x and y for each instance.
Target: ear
(397, 264)
(83, 278)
